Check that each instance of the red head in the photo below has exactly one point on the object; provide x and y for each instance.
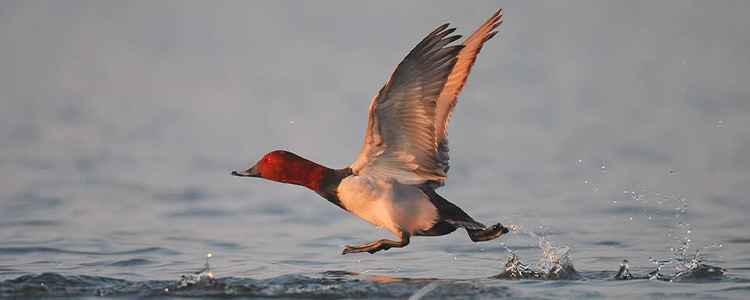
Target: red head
(286, 167)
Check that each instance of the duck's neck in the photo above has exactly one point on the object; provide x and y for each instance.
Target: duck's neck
(305, 173)
(323, 181)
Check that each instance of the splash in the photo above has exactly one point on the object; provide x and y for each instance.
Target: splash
(681, 267)
(555, 261)
(554, 264)
(685, 267)
(202, 278)
(514, 269)
(624, 272)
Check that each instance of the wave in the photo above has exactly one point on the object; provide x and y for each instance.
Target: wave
(26, 250)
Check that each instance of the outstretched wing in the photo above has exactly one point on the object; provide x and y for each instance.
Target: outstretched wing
(400, 142)
(448, 98)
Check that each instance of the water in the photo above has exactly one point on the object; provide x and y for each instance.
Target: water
(523, 264)
(597, 142)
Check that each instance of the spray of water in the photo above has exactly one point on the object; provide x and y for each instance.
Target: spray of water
(201, 278)
(681, 267)
(553, 264)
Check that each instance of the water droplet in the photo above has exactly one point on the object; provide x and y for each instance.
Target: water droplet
(580, 160)
(671, 172)
(615, 201)
(292, 122)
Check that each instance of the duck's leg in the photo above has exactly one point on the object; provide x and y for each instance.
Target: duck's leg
(489, 233)
(376, 246)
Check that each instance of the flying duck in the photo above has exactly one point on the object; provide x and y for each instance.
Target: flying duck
(405, 155)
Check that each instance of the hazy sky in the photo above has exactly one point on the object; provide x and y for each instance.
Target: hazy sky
(632, 82)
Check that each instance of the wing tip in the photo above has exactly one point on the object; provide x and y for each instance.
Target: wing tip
(441, 28)
(498, 14)
(490, 35)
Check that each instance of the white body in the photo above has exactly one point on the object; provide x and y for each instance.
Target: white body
(390, 205)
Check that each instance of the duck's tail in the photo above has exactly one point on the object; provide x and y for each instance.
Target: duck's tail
(452, 217)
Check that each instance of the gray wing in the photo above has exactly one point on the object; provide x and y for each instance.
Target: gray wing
(401, 142)
(448, 98)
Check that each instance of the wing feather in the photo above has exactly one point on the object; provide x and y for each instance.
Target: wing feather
(457, 79)
(408, 121)
(400, 143)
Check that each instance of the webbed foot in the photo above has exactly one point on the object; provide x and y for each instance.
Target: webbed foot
(489, 233)
(380, 245)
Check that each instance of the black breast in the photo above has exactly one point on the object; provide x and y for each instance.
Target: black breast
(329, 186)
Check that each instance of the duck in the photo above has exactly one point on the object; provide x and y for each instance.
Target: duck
(404, 158)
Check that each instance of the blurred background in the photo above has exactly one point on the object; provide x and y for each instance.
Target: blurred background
(120, 122)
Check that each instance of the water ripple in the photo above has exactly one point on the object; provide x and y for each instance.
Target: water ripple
(27, 250)
(296, 286)
(122, 263)
(31, 223)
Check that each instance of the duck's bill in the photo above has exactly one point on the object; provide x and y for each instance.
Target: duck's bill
(252, 172)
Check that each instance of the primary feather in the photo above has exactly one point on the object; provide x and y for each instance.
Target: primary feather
(408, 121)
